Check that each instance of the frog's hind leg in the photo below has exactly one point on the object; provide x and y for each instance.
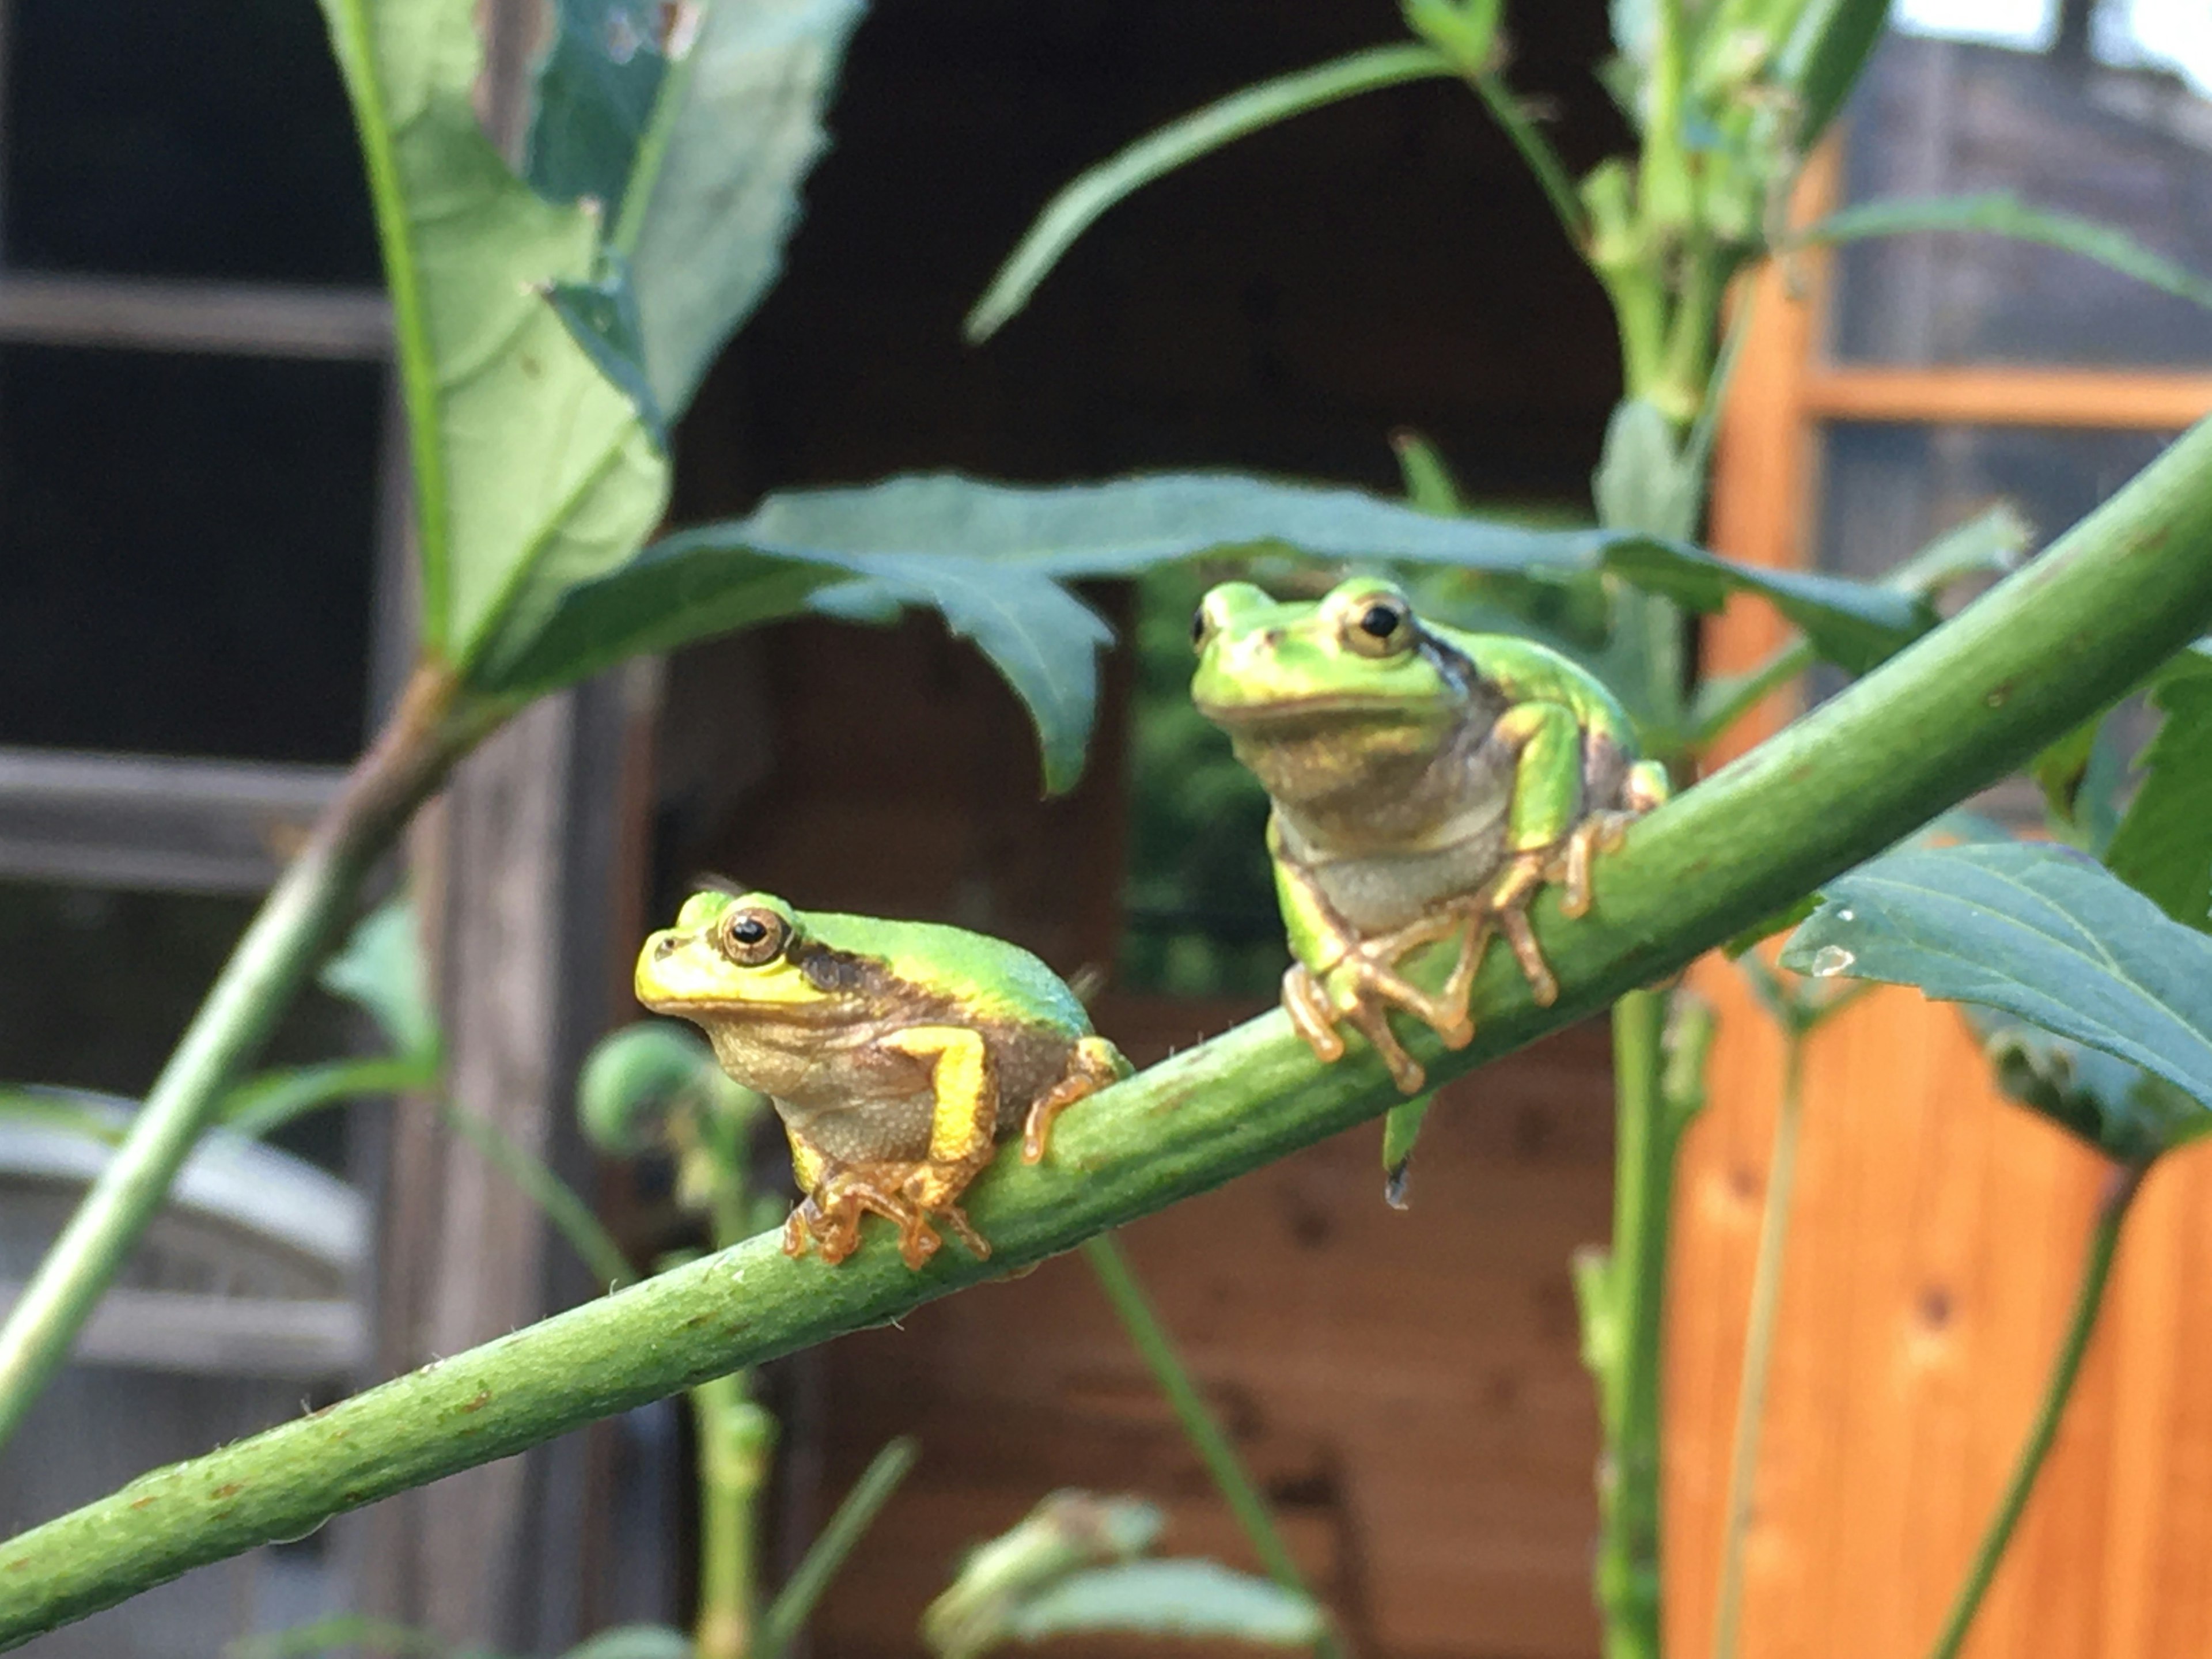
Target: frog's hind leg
(837, 1195)
(962, 1124)
(1094, 1064)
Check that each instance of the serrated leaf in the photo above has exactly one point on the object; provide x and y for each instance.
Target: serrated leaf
(2163, 846)
(1852, 624)
(723, 195)
(531, 468)
(1999, 213)
(596, 89)
(601, 316)
(380, 970)
(1190, 1599)
(2041, 932)
(2120, 1107)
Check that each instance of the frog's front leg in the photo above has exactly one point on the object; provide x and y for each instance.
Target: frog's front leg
(962, 1127)
(1339, 978)
(1550, 837)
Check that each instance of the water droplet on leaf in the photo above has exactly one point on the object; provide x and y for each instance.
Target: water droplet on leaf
(1830, 960)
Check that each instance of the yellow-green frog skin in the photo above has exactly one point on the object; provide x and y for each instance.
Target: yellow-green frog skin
(898, 1054)
(1425, 783)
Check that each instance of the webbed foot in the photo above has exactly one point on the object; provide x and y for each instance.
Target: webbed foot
(908, 1195)
(1360, 988)
(1095, 1064)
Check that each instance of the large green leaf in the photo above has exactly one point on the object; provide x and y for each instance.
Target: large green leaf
(1852, 624)
(2040, 931)
(2163, 846)
(1189, 1599)
(531, 470)
(1999, 213)
(722, 169)
(1093, 190)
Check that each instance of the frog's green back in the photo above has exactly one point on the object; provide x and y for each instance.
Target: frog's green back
(994, 979)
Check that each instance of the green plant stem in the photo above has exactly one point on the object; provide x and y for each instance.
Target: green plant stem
(1758, 1342)
(288, 937)
(2065, 1371)
(794, 1603)
(735, 1437)
(1536, 154)
(1967, 703)
(1156, 1348)
(1645, 1135)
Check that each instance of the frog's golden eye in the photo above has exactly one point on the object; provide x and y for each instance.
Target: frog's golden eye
(1381, 626)
(753, 937)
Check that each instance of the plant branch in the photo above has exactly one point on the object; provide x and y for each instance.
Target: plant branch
(2081, 1325)
(1537, 156)
(795, 1602)
(1964, 705)
(1156, 1348)
(310, 901)
(1759, 1339)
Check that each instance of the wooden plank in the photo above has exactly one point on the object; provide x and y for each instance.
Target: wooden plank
(2080, 399)
(255, 319)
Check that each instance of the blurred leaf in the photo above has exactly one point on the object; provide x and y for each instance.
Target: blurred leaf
(2039, 931)
(1080, 201)
(1767, 927)
(563, 1208)
(62, 1108)
(1465, 31)
(1430, 485)
(344, 1629)
(1193, 1599)
(2163, 846)
(601, 317)
(2120, 1107)
(1992, 544)
(264, 1103)
(596, 89)
(795, 1602)
(1065, 1533)
(1643, 482)
(1849, 624)
(1999, 213)
(530, 468)
(379, 970)
(634, 1642)
(1401, 1128)
(723, 198)
(989, 557)
(1822, 60)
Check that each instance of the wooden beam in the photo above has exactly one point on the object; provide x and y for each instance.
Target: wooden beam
(2116, 400)
(242, 318)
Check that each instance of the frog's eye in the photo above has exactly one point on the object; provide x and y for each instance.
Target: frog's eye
(1381, 626)
(1201, 627)
(753, 937)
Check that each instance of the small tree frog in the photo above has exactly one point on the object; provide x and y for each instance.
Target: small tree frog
(898, 1054)
(1425, 783)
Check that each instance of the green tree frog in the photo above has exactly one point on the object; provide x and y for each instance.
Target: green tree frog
(898, 1054)
(1425, 784)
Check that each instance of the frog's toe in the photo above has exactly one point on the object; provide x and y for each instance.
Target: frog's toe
(1311, 1017)
(1514, 923)
(1095, 1064)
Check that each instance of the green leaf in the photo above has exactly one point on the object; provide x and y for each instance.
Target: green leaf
(1191, 1598)
(263, 1104)
(1400, 1130)
(794, 1603)
(1991, 544)
(61, 1108)
(1823, 58)
(1067, 1532)
(1999, 213)
(601, 316)
(1071, 212)
(1767, 927)
(344, 1630)
(2041, 932)
(2163, 846)
(723, 197)
(380, 970)
(2119, 1107)
(1430, 485)
(1642, 480)
(531, 468)
(634, 1642)
(596, 89)
(1849, 624)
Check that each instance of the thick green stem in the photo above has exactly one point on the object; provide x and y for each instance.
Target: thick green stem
(734, 1439)
(2088, 1301)
(1758, 1342)
(1968, 703)
(294, 926)
(1634, 1282)
(1152, 1343)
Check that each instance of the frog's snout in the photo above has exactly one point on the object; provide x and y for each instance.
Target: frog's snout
(661, 945)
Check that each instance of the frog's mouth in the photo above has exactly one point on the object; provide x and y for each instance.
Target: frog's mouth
(1289, 716)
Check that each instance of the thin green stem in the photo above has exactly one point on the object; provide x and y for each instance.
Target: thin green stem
(2065, 1371)
(1156, 1348)
(561, 1204)
(735, 1437)
(795, 1602)
(1645, 1135)
(287, 938)
(1537, 155)
(1968, 703)
(1758, 1342)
